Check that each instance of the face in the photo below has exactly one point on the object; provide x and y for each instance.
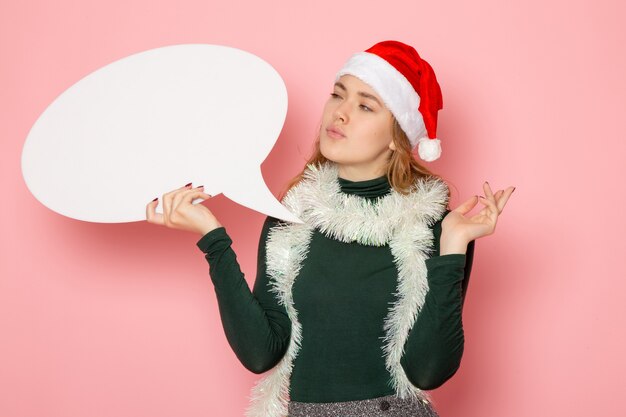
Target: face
(356, 130)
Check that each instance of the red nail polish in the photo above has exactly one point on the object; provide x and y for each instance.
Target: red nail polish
(200, 186)
(155, 199)
(187, 185)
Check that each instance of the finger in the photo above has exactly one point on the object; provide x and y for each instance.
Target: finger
(182, 197)
(505, 197)
(151, 215)
(188, 197)
(497, 197)
(167, 201)
(492, 210)
(484, 210)
(488, 192)
(466, 206)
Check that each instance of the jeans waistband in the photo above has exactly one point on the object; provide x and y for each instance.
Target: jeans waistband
(387, 406)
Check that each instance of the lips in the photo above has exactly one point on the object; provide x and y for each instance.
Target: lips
(335, 132)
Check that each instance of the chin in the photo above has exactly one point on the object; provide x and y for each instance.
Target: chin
(329, 154)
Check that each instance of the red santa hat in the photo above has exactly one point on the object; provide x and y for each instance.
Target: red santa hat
(408, 87)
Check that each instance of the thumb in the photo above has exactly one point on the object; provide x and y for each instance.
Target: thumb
(466, 206)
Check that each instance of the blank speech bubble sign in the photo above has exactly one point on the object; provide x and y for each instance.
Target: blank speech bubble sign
(152, 122)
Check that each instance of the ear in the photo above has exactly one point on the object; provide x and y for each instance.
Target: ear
(392, 145)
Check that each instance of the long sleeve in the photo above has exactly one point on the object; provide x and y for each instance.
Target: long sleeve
(257, 328)
(434, 347)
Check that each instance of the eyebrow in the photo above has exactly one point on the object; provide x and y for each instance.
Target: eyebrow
(360, 93)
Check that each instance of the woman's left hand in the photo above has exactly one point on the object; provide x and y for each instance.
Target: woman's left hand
(457, 226)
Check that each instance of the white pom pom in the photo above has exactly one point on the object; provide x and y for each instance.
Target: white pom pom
(429, 149)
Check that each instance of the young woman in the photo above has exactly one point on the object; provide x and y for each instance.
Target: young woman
(357, 311)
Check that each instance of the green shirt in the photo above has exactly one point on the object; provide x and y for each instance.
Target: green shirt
(342, 295)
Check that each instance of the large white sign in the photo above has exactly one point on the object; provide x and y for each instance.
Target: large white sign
(152, 122)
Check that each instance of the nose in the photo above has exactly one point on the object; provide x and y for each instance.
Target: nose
(341, 112)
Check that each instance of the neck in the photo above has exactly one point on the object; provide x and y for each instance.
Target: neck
(354, 173)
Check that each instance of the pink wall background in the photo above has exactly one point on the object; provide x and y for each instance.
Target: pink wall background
(121, 320)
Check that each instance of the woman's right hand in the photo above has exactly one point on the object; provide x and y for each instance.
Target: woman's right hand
(180, 213)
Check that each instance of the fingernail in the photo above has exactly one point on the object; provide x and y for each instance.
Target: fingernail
(187, 185)
(513, 189)
(200, 186)
(155, 199)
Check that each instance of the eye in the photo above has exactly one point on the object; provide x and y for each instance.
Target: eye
(335, 95)
(365, 108)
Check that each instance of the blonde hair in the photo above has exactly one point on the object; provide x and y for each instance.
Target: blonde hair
(402, 167)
